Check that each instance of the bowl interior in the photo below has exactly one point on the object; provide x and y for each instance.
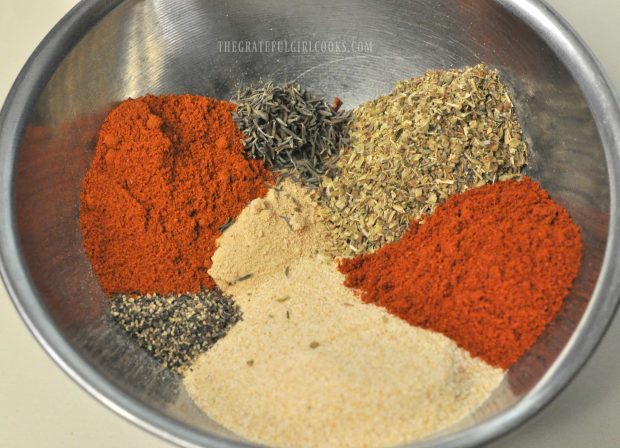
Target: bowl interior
(166, 46)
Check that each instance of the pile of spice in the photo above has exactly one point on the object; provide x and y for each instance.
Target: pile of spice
(293, 131)
(168, 173)
(432, 137)
(174, 329)
(490, 269)
(311, 365)
(269, 236)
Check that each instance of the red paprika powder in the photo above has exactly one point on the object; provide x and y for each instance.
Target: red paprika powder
(489, 269)
(168, 172)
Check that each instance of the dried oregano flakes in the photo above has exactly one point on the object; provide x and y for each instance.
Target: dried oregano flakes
(431, 137)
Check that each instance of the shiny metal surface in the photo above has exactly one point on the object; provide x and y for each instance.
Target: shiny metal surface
(105, 51)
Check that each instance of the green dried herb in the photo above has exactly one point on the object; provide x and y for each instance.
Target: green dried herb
(244, 277)
(293, 131)
(226, 225)
(432, 137)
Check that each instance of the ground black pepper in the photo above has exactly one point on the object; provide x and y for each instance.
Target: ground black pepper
(175, 329)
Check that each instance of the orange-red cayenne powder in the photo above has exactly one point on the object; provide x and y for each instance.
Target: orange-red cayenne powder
(168, 172)
(489, 269)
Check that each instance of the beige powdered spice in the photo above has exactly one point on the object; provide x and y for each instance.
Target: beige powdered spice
(270, 235)
(311, 365)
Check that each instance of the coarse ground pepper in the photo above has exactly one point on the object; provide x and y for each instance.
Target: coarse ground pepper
(490, 269)
(175, 329)
(168, 172)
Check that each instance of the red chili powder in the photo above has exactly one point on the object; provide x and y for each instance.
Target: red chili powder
(489, 269)
(168, 172)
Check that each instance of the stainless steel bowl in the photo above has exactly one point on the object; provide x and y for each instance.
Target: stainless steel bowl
(105, 51)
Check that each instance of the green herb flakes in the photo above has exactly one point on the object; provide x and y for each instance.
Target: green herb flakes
(432, 137)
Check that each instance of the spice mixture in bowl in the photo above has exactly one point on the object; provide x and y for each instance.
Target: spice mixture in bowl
(239, 241)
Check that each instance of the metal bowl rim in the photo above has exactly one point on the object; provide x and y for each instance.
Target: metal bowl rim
(32, 79)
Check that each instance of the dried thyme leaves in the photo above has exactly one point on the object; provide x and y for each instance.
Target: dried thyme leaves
(293, 131)
(175, 329)
(431, 137)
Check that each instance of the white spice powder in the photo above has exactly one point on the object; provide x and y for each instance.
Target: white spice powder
(311, 365)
